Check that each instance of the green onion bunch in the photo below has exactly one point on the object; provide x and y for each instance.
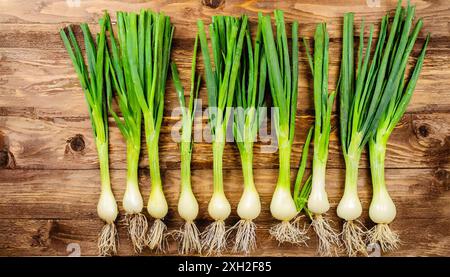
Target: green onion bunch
(120, 65)
(367, 97)
(188, 236)
(92, 79)
(382, 210)
(248, 101)
(227, 35)
(283, 79)
(318, 203)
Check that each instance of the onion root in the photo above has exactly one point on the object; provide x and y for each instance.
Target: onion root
(329, 242)
(214, 238)
(287, 232)
(353, 238)
(108, 240)
(245, 239)
(157, 239)
(188, 238)
(382, 234)
(137, 230)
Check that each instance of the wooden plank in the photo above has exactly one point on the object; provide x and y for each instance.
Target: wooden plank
(55, 208)
(46, 76)
(185, 13)
(73, 194)
(420, 140)
(48, 164)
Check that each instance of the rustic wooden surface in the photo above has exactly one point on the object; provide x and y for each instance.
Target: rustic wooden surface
(49, 174)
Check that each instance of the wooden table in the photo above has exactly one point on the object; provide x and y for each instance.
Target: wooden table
(49, 176)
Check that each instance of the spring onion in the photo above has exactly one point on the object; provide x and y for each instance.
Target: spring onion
(382, 209)
(283, 79)
(227, 36)
(318, 203)
(92, 82)
(303, 190)
(188, 236)
(121, 60)
(362, 104)
(150, 35)
(249, 97)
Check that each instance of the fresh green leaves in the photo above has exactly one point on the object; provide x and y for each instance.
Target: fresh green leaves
(301, 192)
(249, 92)
(187, 112)
(323, 101)
(227, 35)
(92, 76)
(362, 101)
(282, 72)
(372, 99)
(120, 69)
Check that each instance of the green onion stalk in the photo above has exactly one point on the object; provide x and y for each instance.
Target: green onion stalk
(150, 35)
(122, 59)
(248, 100)
(93, 83)
(362, 103)
(188, 236)
(227, 36)
(318, 203)
(382, 210)
(283, 79)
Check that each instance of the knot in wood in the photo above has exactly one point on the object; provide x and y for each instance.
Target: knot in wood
(77, 143)
(214, 4)
(4, 158)
(423, 131)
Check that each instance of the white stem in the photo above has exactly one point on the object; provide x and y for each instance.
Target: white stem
(219, 208)
(282, 205)
(318, 198)
(107, 206)
(132, 199)
(157, 204)
(187, 205)
(349, 207)
(249, 206)
(382, 209)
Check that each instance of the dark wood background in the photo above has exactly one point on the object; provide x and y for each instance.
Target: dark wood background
(49, 177)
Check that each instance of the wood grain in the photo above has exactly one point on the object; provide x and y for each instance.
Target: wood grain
(185, 13)
(46, 76)
(419, 141)
(48, 164)
(47, 226)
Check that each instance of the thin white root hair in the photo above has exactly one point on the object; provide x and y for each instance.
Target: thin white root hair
(157, 237)
(382, 234)
(108, 240)
(329, 242)
(214, 238)
(188, 238)
(353, 238)
(245, 239)
(287, 232)
(137, 230)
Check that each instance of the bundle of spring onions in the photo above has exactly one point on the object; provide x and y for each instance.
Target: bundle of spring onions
(248, 99)
(146, 40)
(92, 82)
(382, 209)
(363, 101)
(283, 77)
(227, 36)
(318, 203)
(188, 236)
(123, 57)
